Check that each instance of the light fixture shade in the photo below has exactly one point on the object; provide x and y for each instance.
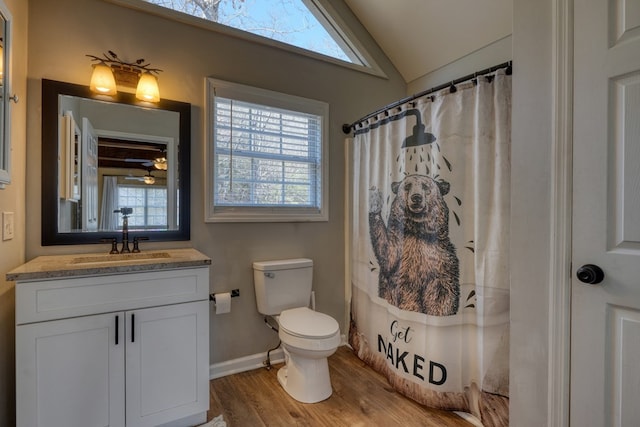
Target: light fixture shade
(149, 179)
(148, 88)
(102, 80)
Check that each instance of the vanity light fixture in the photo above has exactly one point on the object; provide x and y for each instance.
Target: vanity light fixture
(147, 89)
(102, 80)
(109, 72)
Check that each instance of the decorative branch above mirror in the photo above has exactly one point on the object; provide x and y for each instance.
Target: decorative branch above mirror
(101, 153)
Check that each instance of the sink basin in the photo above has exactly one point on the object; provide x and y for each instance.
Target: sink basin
(120, 258)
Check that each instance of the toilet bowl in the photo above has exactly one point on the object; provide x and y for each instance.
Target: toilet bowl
(308, 338)
(283, 291)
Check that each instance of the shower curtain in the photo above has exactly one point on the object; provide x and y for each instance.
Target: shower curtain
(109, 219)
(429, 247)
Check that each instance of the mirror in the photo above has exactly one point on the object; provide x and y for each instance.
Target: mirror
(102, 153)
(5, 94)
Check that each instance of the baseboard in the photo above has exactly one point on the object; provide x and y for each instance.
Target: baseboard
(251, 362)
(242, 364)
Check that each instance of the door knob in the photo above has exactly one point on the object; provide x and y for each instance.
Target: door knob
(590, 273)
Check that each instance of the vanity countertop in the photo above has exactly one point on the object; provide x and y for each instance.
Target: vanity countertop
(60, 266)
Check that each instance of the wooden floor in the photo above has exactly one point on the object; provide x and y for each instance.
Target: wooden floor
(361, 397)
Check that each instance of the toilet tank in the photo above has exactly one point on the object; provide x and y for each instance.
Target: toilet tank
(282, 284)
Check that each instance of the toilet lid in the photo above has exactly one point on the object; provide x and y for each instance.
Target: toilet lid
(304, 322)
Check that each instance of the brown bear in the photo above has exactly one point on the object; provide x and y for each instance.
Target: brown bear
(419, 269)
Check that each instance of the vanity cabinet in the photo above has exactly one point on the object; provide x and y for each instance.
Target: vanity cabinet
(127, 349)
(70, 373)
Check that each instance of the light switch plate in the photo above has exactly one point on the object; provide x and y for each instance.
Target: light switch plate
(7, 226)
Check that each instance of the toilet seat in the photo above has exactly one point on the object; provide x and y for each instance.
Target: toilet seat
(302, 322)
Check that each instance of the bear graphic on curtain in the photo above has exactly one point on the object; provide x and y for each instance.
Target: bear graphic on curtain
(419, 268)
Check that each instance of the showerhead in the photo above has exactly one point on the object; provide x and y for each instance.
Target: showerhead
(418, 137)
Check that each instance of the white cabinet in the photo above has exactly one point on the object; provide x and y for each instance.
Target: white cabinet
(163, 347)
(141, 360)
(70, 372)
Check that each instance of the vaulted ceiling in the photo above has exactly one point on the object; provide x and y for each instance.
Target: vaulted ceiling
(420, 36)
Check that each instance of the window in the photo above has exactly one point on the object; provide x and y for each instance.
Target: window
(267, 155)
(149, 205)
(311, 27)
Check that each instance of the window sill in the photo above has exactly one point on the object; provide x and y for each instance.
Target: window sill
(266, 215)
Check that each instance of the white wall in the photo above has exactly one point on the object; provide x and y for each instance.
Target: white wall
(532, 143)
(495, 53)
(12, 199)
(62, 32)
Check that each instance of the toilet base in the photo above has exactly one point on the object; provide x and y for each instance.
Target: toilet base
(306, 380)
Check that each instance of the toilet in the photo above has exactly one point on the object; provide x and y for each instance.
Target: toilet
(283, 291)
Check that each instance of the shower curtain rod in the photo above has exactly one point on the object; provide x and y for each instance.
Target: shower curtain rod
(346, 128)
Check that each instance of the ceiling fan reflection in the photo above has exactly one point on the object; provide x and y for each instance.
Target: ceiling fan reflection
(159, 163)
(147, 179)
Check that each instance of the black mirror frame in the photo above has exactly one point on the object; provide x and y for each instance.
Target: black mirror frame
(51, 89)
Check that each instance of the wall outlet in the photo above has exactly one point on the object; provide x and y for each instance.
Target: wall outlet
(7, 225)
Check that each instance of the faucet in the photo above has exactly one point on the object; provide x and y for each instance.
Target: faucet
(136, 240)
(125, 228)
(114, 244)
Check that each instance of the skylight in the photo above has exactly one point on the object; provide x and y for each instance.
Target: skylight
(299, 23)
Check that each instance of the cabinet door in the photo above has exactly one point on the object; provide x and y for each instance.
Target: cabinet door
(167, 362)
(70, 373)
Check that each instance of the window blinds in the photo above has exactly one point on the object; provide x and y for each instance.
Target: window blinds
(266, 156)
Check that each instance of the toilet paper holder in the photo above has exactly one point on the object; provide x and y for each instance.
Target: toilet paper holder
(234, 293)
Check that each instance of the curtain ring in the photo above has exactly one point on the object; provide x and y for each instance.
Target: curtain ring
(453, 88)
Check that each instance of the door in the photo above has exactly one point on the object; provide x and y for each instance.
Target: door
(167, 363)
(605, 317)
(89, 177)
(70, 373)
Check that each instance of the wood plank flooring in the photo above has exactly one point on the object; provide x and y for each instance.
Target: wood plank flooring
(361, 397)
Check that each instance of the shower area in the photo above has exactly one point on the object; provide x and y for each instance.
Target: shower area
(428, 245)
